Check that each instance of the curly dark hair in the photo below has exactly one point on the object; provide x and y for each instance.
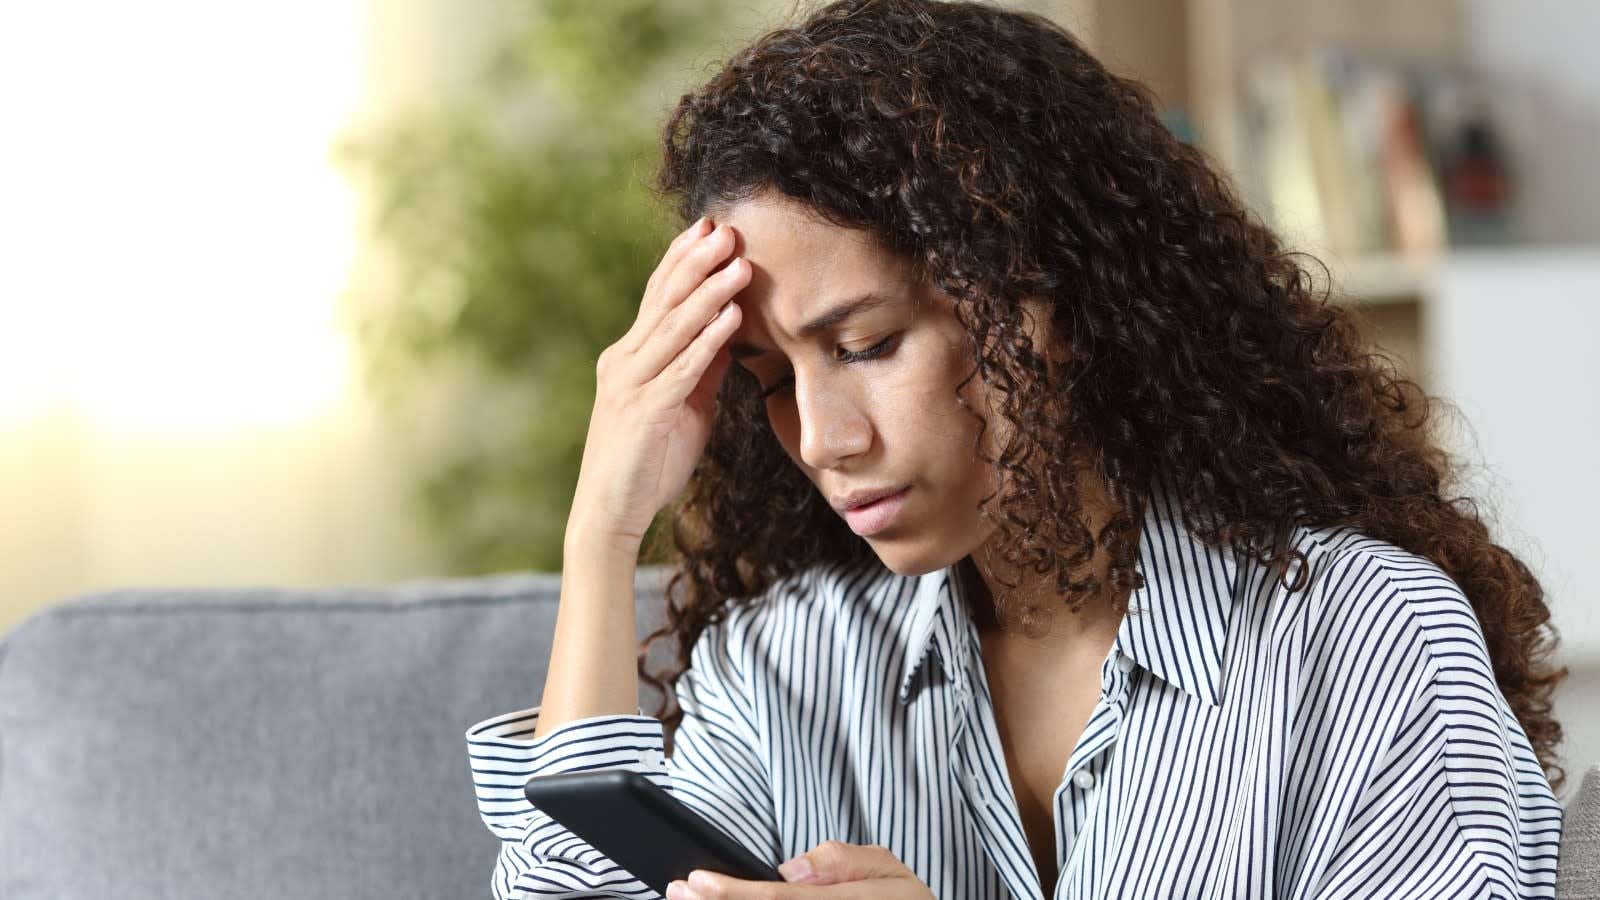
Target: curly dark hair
(1005, 162)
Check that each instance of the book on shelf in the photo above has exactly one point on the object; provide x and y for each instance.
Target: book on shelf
(1362, 156)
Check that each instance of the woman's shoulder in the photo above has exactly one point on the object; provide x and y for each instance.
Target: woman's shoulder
(1367, 589)
(1379, 624)
(817, 593)
(1395, 626)
(807, 609)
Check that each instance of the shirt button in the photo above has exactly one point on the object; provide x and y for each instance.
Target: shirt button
(1083, 778)
(1124, 663)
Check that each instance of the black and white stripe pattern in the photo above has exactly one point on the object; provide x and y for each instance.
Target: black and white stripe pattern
(1344, 741)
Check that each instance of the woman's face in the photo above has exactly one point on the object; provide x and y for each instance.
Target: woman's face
(889, 421)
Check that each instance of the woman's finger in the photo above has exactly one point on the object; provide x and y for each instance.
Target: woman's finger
(675, 251)
(677, 331)
(836, 862)
(832, 869)
(703, 885)
(682, 269)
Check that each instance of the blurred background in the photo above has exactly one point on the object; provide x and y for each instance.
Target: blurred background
(310, 293)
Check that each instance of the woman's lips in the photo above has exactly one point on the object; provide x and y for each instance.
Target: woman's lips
(877, 515)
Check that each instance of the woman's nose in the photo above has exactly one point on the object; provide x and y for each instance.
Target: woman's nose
(832, 427)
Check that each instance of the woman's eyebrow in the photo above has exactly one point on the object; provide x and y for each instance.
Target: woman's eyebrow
(846, 309)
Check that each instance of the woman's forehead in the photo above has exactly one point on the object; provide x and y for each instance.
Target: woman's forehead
(795, 245)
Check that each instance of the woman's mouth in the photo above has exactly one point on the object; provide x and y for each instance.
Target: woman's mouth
(877, 515)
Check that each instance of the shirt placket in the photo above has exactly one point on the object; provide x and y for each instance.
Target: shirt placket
(1076, 800)
(999, 822)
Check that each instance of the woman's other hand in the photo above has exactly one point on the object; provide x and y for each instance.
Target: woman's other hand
(832, 869)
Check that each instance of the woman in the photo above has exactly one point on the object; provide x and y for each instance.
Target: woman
(1168, 598)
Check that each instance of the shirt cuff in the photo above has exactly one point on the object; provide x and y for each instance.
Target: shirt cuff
(612, 741)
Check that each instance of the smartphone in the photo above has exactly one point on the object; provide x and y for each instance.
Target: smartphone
(641, 827)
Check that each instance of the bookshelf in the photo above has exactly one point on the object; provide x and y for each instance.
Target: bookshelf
(1195, 53)
(1198, 56)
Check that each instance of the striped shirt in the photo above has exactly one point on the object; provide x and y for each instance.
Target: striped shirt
(1345, 740)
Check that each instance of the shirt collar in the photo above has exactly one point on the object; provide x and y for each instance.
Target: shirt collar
(936, 595)
(1176, 625)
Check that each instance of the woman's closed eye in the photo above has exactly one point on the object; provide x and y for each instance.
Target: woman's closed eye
(845, 356)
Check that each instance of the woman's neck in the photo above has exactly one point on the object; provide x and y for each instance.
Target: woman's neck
(1094, 621)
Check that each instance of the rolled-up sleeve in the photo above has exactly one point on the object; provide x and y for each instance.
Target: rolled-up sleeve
(716, 768)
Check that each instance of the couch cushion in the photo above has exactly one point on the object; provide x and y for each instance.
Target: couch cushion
(256, 742)
(1578, 869)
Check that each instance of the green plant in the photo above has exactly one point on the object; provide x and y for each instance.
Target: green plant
(520, 231)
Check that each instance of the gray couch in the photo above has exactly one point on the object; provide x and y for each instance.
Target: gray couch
(263, 742)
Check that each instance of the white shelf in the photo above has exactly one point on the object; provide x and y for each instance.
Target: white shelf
(1385, 278)
(1378, 279)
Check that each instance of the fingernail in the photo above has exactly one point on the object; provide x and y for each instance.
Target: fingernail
(797, 869)
(702, 226)
(680, 890)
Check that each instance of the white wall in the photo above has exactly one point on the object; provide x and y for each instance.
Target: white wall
(1512, 338)
(1541, 57)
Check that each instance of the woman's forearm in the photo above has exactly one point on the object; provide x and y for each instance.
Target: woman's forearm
(593, 669)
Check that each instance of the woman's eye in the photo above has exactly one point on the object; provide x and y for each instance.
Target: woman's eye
(845, 356)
